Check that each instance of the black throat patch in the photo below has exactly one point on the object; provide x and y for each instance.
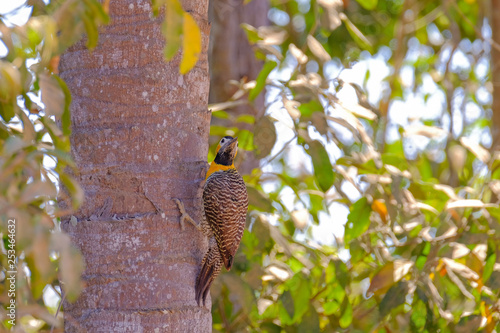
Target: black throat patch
(224, 158)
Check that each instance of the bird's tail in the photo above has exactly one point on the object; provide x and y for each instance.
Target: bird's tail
(210, 268)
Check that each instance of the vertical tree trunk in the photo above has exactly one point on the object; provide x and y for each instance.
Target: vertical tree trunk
(140, 133)
(231, 56)
(495, 72)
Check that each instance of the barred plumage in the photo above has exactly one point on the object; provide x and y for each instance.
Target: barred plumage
(225, 204)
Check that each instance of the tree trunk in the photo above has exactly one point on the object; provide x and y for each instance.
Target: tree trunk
(139, 139)
(232, 58)
(495, 72)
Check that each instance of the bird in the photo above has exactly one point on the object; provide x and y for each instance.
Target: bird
(225, 206)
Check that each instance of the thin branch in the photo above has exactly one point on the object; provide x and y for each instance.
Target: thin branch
(281, 150)
(423, 21)
(453, 178)
(57, 312)
(318, 293)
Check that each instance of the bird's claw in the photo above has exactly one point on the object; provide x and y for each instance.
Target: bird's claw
(184, 215)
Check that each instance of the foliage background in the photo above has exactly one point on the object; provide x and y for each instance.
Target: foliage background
(34, 155)
(379, 108)
(382, 108)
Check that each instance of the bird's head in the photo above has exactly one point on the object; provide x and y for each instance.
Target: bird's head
(226, 151)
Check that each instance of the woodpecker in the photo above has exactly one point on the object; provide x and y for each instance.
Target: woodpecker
(225, 205)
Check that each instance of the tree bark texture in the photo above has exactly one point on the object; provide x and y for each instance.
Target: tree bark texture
(232, 58)
(495, 72)
(140, 133)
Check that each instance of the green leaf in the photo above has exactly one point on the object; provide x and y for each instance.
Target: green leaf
(7, 111)
(249, 243)
(76, 192)
(494, 280)
(261, 79)
(252, 33)
(245, 118)
(357, 35)
(257, 199)
(269, 327)
(172, 28)
(323, 170)
(338, 293)
(422, 259)
(488, 267)
(418, 315)
(261, 228)
(60, 141)
(301, 292)
(368, 4)
(191, 44)
(245, 140)
(63, 157)
(317, 205)
(221, 131)
(91, 31)
(10, 88)
(4, 132)
(331, 307)
(288, 303)
(156, 6)
(341, 272)
(241, 290)
(220, 114)
(66, 116)
(356, 250)
(358, 219)
(309, 322)
(393, 298)
(307, 109)
(330, 272)
(346, 317)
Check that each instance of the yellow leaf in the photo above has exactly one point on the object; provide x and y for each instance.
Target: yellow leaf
(382, 280)
(379, 207)
(105, 6)
(54, 65)
(191, 44)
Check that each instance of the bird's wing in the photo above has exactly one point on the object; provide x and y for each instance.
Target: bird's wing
(226, 203)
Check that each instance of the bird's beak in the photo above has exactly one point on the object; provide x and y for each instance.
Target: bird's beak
(232, 147)
(233, 142)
